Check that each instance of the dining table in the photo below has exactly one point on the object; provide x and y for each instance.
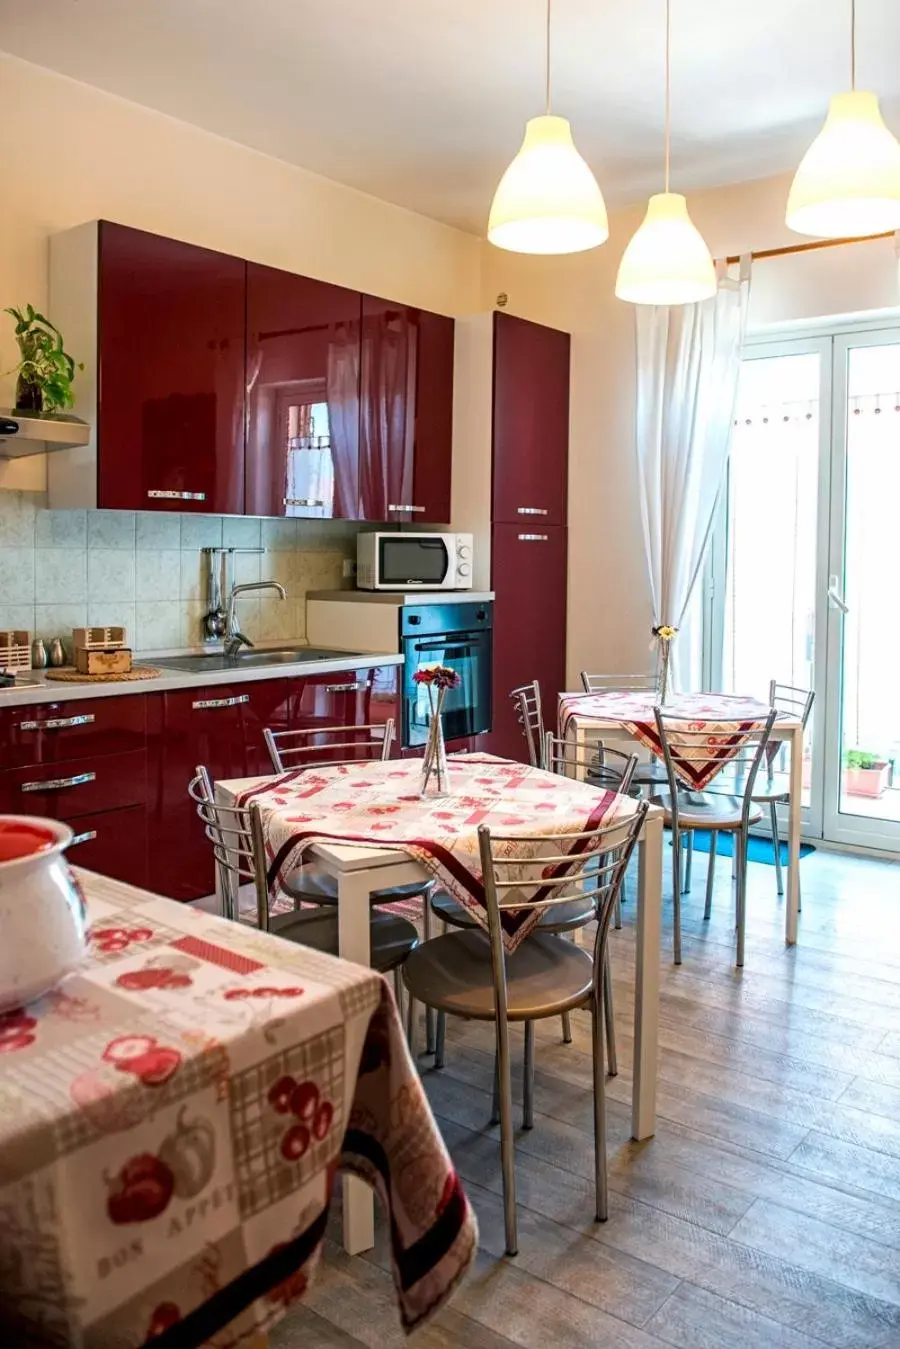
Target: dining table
(627, 715)
(173, 1116)
(369, 826)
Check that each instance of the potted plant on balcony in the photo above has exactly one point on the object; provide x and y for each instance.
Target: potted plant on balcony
(865, 774)
(45, 370)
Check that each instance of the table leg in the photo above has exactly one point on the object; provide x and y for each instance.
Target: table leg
(792, 904)
(646, 991)
(354, 889)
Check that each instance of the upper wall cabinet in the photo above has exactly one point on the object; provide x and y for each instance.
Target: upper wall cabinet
(160, 326)
(531, 418)
(406, 413)
(303, 348)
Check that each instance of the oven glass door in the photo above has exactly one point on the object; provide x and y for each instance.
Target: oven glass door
(410, 559)
(466, 708)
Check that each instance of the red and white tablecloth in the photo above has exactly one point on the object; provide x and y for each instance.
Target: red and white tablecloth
(378, 804)
(171, 1121)
(729, 720)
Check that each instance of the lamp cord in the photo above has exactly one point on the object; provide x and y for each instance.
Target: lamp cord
(853, 44)
(547, 71)
(668, 83)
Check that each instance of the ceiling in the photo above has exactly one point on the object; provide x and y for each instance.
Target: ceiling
(422, 102)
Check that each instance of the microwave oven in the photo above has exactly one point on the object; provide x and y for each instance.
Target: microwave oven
(420, 561)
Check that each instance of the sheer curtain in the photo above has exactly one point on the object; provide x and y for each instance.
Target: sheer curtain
(386, 426)
(342, 396)
(688, 362)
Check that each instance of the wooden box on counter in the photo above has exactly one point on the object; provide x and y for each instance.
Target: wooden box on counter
(95, 662)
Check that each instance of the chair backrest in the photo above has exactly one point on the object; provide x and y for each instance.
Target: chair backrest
(326, 746)
(527, 702)
(610, 683)
(541, 871)
(686, 751)
(792, 700)
(601, 766)
(238, 846)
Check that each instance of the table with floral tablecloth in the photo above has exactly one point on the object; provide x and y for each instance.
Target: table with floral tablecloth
(171, 1121)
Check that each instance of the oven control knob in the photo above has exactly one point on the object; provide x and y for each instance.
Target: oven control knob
(464, 568)
(413, 620)
(464, 550)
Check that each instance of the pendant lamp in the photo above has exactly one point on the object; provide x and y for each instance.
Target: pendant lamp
(667, 261)
(848, 182)
(548, 201)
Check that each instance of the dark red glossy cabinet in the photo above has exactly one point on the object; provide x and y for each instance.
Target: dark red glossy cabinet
(303, 372)
(531, 422)
(365, 697)
(170, 347)
(406, 413)
(529, 580)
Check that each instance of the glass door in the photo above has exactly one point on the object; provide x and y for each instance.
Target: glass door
(862, 690)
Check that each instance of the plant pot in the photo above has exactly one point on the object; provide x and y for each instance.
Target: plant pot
(42, 915)
(29, 395)
(871, 782)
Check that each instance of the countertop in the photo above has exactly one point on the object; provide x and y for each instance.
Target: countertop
(48, 691)
(398, 598)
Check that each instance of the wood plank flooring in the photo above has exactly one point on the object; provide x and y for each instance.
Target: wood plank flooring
(765, 1213)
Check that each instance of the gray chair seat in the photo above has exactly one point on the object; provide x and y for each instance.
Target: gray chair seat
(547, 975)
(775, 788)
(391, 937)
(650, 773)
(314, 885)
(559, 918)
(708, 810)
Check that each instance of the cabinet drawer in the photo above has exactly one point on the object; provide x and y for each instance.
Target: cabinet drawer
(112, 843)
(55, 732)
(76, 788)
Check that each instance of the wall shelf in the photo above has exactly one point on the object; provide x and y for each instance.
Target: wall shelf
(40, 434)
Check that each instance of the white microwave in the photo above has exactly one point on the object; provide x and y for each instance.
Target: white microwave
(419, 561)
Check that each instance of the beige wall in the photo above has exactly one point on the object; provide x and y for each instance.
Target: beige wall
(609, 611)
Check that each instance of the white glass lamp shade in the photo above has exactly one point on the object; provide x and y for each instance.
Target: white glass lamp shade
(548, 200)
(848, 182)
(667, 261)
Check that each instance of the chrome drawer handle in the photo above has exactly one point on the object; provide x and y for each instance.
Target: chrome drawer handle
(302, 501)
(406, 508)
(57, 723)
(343, 688)
(57, 784)
(222, 702)
(533, 538)
(531, 510)
(165, 495)
(87, 837)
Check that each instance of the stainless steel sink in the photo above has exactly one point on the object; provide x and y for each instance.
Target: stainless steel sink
(215, 661)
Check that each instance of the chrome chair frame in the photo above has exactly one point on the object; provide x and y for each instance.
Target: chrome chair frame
(529, 711)
(281, 745)
(609, 683)
(796, 702)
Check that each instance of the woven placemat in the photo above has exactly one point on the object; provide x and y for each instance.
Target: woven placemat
(69, 676)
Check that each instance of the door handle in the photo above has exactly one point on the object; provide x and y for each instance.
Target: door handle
(835, 598)
(205, 703)
(87, 837)
(57, 723)
(406, 508)
(159, 494)
(302, 501)
(532, 538)
(531, 510)
(58, 784)
(343, 688)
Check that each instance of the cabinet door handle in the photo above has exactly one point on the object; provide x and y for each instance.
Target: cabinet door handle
(87, 837)
(58, 784)
(57, 723)
(203, 703)
(533, 538)
(160, 494)
(531, 510)
(419, 509)
(301, 501)
(343, 688)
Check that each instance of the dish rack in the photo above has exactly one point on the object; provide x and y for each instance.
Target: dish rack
(99, 639)
(15, 649)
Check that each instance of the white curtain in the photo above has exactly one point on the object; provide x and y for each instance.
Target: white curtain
(688, 362)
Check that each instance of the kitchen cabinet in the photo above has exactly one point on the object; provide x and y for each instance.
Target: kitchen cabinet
(113, 843)
(406, 413)
(364, 697)
(529, 580)
(303, 355)
(50, 733)
(530, 423)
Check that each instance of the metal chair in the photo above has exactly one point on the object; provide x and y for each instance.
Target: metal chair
(651, 772)
(470, 974)
(725, 805)
(240, 856)
(527, 703)
(774, 788)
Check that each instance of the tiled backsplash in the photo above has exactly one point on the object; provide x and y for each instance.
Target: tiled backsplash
(64, 569)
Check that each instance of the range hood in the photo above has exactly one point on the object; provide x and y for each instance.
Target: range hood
(24, 433)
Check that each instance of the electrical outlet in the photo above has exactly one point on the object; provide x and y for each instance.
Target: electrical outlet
(349, 569)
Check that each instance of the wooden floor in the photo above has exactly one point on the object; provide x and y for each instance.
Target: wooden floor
(765, 1214)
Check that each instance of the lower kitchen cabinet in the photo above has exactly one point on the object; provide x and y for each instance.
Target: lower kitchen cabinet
(113, 843)
(366, 697)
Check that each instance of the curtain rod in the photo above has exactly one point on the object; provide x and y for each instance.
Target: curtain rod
(808, 248)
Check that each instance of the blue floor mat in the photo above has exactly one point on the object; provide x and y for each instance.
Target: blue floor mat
(759, 849)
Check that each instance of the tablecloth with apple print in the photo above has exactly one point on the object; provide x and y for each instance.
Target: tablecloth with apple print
(729, 720)
(172, 1118)
(378, 803)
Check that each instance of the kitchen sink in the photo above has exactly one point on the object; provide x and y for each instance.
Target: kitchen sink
(215, 661)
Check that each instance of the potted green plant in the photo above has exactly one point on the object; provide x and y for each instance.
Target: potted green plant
(45, 370)
(865, 774)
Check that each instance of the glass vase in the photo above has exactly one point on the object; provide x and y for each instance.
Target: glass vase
(664, 658)
(435, 772)
(29, 395)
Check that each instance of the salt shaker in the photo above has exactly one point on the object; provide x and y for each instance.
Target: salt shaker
(38, 654)
(57, 653)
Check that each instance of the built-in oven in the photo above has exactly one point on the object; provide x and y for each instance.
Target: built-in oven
(458, 635)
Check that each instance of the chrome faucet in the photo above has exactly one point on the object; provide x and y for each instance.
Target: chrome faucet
(234, 638)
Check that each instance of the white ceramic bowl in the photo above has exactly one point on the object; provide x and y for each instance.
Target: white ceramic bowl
(42, 919)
